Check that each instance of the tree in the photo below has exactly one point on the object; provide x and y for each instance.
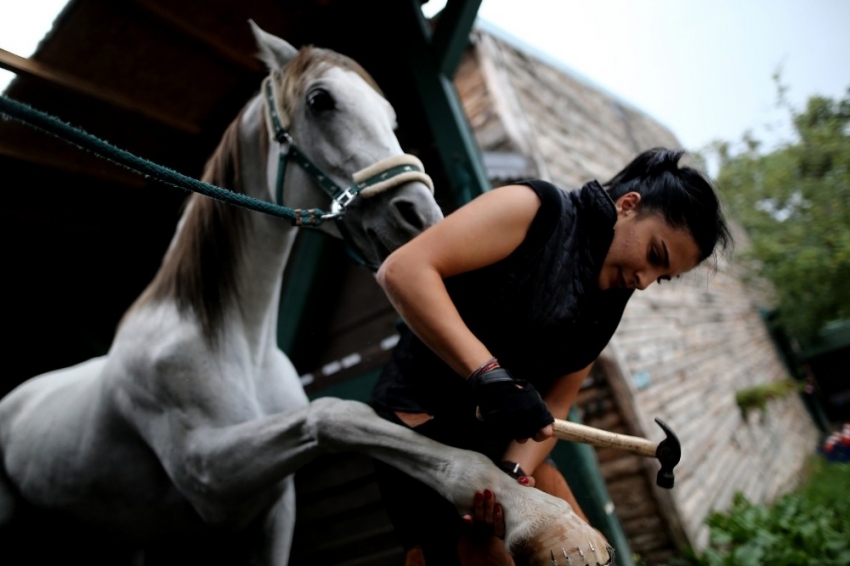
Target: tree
(794, 203)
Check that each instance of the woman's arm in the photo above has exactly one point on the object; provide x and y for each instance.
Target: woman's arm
(530, 455)
(482, 232)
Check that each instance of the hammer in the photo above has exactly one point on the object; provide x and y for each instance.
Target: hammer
(668, 451)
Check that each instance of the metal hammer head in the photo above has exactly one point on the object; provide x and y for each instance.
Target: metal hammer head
(669, 452)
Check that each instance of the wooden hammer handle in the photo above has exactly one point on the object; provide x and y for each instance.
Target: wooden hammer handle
(566, 430)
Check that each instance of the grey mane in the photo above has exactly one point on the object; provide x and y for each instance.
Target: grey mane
(198, 271)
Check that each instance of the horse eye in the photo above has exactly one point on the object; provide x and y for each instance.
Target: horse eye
(320, 100)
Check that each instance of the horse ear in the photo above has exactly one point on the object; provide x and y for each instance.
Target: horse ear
(274, 51)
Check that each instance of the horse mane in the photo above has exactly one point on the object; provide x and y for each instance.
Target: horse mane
(198, 271)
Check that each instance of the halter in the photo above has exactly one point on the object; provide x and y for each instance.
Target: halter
(385, 174)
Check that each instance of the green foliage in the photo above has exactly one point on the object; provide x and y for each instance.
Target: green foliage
(807, 527)
(758, 396)
(794, 203)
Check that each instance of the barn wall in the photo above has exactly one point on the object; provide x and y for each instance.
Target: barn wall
(683, 349)
(687, 348)
(577, 131)
(638, 508)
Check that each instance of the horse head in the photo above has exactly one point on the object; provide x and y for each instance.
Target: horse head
(335, 131)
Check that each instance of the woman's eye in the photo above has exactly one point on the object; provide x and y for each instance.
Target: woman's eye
(320, 100)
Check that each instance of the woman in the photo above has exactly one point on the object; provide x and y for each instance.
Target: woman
(507, 303)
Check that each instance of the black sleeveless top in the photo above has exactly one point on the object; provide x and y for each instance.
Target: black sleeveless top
(539, 311)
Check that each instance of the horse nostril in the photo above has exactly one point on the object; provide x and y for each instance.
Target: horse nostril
(408, 214)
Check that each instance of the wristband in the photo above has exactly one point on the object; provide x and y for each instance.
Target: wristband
(485, 367)
(512, 469)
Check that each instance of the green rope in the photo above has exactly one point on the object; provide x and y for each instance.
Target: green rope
(37, 119)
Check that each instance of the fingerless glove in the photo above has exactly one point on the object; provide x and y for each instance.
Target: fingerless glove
(511, 407)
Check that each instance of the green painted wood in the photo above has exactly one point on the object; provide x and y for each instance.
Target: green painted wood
(451, 36)
(301, 270)
(451, 132)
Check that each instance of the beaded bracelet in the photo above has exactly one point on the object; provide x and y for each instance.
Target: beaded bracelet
(485, 367)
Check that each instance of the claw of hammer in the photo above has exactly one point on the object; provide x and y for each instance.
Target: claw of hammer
(669, 452)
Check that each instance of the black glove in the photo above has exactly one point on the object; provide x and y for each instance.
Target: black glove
(512, 407)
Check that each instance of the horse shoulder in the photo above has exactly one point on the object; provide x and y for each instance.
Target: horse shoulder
(159, 362)
(44, 420)
(279, 389)
(181, 394)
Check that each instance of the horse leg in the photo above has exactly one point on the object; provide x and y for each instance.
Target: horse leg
(8, 501)
(280, 525)
(343, 426)
(536, 523)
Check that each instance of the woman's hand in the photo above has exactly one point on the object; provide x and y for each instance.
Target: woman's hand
(513, 408)
(487, 518)
(485, 541)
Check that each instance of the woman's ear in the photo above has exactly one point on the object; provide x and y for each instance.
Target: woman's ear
(627, 203)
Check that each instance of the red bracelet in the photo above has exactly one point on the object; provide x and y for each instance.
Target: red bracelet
(485, 367)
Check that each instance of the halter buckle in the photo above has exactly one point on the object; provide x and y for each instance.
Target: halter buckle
(332, 215)
(283, 138)
(342, 200)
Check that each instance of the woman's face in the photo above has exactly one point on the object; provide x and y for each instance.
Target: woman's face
(645, 249)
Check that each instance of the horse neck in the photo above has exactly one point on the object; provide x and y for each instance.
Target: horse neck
(225, 264)
(265, 241)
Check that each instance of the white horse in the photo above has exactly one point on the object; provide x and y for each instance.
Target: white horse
(168, 430)
(194, 422)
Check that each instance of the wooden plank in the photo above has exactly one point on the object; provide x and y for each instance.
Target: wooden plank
(56, 78)
(621, 467)
(220, 50)
(110, 172)
(340, 517)
(332, 472)
(640, 509)
(506, 103)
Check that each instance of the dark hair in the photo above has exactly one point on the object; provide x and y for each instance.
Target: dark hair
(681, 195)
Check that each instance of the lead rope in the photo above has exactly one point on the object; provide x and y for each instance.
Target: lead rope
(75, 136)
(376, 178)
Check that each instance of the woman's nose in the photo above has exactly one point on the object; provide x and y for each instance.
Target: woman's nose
(644, 279)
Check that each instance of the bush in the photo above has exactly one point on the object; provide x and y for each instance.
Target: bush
(758, 396)
(810, 526)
